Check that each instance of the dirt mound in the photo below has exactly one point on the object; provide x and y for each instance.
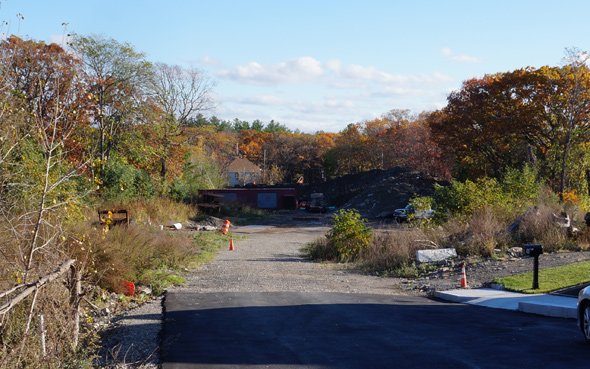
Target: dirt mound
(377, 193)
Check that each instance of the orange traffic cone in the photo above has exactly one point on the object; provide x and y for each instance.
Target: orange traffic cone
(463, 277)
(225, 226)
(231, 244)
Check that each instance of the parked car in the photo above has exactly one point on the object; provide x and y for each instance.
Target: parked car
(408, 212)
(584, 312)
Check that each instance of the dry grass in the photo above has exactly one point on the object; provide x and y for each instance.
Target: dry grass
(484, 233)
(140, 253)
(20, 350)
(151, 211)
(321, 249)
(394, 251)
(538, 226)
(137, 253)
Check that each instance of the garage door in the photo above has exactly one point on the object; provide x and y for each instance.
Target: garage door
(267, 200)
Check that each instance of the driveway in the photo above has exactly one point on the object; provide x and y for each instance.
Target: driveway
(263, 306)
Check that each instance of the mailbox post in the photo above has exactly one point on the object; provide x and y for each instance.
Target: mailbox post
(534, 250)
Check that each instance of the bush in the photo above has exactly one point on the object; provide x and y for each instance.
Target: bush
(538, 226)
(320, 249)
(349, 234)
(518, 190)
(484, 232)
(122, 181)
(393, 252)
(140, 254)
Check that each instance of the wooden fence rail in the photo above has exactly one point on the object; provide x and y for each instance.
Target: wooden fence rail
(32, 287)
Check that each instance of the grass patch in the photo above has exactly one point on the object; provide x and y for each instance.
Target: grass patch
(550, 279)
(209, 243)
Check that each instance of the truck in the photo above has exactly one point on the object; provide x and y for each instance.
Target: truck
(409, 212)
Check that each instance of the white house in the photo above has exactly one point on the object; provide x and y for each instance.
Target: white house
(242, 172)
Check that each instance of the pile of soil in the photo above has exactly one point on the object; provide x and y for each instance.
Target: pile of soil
(376, 193)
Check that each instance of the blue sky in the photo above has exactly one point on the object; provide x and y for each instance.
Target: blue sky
(321, 64)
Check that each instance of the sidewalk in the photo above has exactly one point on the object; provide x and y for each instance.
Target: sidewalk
(542, 304)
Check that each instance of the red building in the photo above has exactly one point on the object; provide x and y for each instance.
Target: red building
(259, 198)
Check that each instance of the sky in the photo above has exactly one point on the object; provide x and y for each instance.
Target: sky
(318, 65)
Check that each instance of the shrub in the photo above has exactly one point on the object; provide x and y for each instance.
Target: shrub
(136, 253)
(518, 190)
(349, 234)
(393, 252)
(321, 249)
(538, 226)
(122, 181)
(484, 233)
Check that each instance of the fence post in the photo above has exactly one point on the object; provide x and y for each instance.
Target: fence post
(75, 295)
(42, 329)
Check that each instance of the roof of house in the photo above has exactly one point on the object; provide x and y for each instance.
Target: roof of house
(242, 165)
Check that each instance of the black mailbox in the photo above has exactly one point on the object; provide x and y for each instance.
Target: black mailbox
(530, 249)
(534, 250)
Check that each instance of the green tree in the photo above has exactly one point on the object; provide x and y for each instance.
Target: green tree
(116, 76)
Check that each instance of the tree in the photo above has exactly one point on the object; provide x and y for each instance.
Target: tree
(116, 76)
(574, 108)
(43, 99)
(505, 120)
(182, 93)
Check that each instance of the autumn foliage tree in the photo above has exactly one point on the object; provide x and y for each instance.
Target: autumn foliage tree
(535, 116)
(46, 110)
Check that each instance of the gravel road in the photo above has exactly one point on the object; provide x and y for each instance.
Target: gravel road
(268, 259)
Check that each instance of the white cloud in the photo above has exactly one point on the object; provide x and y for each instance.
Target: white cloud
(334, 65)
(299, 70)
(459, 58)
(308, 94)
(210, 61)
(264, 100)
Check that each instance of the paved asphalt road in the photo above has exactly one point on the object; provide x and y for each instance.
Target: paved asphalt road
(293, 330)
(307, 328)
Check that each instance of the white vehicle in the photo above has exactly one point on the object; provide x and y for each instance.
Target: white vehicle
(584, 312)
(401, 215)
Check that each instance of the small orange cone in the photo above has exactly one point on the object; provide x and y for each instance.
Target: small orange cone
(231, 244)
(463, 277)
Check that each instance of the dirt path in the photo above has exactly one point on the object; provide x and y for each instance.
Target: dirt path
(268, 259)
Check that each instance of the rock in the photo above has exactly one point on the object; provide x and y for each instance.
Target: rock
(144, 290)
(515, 251)
(429, 256)
(208, 228)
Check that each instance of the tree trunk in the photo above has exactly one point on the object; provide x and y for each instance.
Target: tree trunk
(564, 158)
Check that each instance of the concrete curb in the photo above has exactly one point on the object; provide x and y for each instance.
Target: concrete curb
(556, 311)
(540, 304)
